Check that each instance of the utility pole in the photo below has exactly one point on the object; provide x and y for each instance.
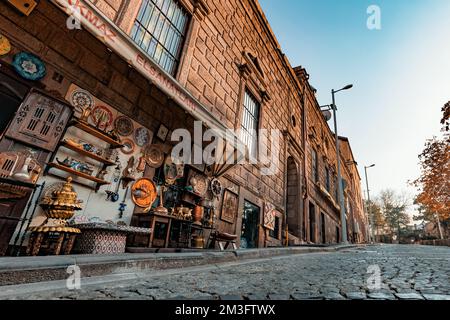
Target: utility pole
(369, 204)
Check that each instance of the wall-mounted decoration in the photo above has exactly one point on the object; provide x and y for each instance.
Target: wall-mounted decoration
(143, 193)
(141, 164)
(269, 216)
(154, 156)
(216, 187)
(172, 171)
(102, 117)
(162, 132)
(124, 126)
(128, 146)
(142, 136)
(128, 174)
(24, 6)
(199, 184)
(40, 121)
(29, 66)
(82, 100)
(5, 45)
(229, 206)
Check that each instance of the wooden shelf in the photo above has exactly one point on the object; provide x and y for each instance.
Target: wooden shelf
(96, 133)
(78, 173)
(87, 153)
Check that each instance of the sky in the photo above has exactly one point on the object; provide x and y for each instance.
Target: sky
(401, 75)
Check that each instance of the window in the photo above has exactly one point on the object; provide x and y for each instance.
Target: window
(276, 231)
(250, 123)
(160, 29)
(327, 179)
(315, 172)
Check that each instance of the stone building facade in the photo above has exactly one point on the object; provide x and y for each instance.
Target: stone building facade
(221, 54)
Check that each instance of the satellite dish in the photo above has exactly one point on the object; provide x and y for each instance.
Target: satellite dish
(327, 115)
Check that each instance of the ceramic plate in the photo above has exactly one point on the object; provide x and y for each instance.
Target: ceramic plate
(29, 66)
(5, 46)
(144, 193)
(124, 126)
(142, 136)
(81, 99)
(102, 117)
(128, 146)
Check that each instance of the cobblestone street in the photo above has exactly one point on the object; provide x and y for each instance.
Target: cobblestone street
(407, 272)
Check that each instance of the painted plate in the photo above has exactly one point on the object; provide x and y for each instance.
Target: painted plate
(154, 156)
(142, 136)
(124, 126)
(29, 66)
(81, 99)
(102, 117)
(5, 45)
(143, 193)
(199, 184)
(128, 146)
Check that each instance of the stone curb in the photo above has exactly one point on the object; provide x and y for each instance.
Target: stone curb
(22, 270)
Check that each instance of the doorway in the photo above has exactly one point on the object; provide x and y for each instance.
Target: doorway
(250, 221)
(323, 228)
(312, 223)
(292, 194)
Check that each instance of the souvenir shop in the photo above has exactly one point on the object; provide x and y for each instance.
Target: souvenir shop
(80, 173)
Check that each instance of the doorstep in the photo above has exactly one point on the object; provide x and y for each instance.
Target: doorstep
(21, 270)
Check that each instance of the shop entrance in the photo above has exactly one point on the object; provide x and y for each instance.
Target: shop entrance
(249, 233)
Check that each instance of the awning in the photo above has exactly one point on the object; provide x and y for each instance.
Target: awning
(107, 32)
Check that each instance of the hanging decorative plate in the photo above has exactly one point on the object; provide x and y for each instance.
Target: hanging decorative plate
(172, 171)
(143, 193)
(81, 99)
(124, 126)
(29, 66)
(141, 136)
(102, 117)
(199, 184)
(5, 45)
(154, 156)
(216, 187)
(128, 146)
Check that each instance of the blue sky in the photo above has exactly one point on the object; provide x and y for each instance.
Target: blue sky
(401, 74)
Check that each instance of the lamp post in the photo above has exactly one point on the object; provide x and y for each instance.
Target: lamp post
(340, 184)
(368, 203)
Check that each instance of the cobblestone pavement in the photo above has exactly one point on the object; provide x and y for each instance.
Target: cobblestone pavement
(407, 272)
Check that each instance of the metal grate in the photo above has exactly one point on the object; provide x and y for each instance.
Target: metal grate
(160, 30)
(250, 123)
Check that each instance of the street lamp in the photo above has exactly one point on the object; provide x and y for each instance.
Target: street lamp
(340, 184)
(368, 203)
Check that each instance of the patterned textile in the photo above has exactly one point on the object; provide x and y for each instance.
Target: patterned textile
(101, 241)
(269, 216)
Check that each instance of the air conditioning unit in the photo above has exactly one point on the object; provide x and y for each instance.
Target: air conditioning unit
(24, 6)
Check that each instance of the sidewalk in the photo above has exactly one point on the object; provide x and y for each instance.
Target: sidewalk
(22, 270)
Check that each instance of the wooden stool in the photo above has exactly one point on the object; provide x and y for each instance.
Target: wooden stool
(223, 239)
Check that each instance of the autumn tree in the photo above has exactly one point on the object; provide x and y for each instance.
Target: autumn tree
(434, 182)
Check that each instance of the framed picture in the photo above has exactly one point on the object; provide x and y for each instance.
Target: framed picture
(162, 132)
(229, 206)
